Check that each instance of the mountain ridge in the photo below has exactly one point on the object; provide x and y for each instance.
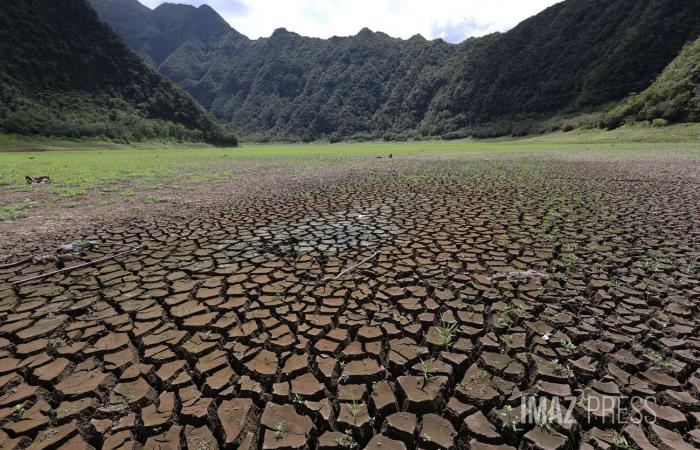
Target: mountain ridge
(577, 55)
(65, 73)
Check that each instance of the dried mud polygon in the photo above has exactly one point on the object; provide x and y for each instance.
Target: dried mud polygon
(397, 311)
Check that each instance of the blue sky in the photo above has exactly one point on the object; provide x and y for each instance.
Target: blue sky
(452, 20)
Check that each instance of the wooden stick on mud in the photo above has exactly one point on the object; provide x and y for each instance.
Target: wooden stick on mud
(349, 269)
(15, 264)
(66, 269)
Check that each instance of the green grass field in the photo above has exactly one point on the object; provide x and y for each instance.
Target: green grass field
(79, 168)
(96, 180)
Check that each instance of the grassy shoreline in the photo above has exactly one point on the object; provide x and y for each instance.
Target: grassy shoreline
(637, 133)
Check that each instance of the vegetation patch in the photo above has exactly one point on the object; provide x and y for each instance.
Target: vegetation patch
(16, 211)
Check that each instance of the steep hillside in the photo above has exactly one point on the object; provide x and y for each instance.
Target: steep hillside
(64, 72)
(133, 22)
(289, 86)
(166, 31)
(674, 96)
(575, 56)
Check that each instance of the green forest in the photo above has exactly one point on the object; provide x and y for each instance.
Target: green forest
(65, 73)
(577, 57)
(674, 96)
(126, 72)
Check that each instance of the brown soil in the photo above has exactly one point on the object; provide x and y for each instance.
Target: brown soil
(242, 327)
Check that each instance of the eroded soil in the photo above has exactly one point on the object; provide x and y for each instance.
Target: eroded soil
(410, 309)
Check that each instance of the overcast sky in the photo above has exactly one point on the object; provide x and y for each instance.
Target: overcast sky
(452, 20)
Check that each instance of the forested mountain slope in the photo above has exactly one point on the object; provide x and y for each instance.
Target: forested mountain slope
(158, 33)
(674, 96)
(63, 72)
(575, 56)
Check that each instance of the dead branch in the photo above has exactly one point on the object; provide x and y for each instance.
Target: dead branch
(350, 269)
(68, 269)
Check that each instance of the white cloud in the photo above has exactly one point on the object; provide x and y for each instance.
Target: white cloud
(452, 20)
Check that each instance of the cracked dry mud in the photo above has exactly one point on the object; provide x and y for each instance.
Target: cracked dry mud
(492, 281)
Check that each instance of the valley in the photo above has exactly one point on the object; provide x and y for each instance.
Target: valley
(293, 243)
(366, 295)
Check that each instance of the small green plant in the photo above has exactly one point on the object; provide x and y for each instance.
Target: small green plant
(426, 367)
(583, 397)
(637, 347)
(18, 412)
(80, 243)
(508, 308)
(503, 316)
(503, 319)
(570, 247)
(355, 409)
(662, 360)
(544, 419)
(347, 440)
(572, 261)
(69, 192)
(16, 211)
(298, 399)
(280, 428)
(620, 441)
(426, 437)
(155, 198)
(559, 368)
(569, 346)
(509, 420)
(653, 264)
(446, 332)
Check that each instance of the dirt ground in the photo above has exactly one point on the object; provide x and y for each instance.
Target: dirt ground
(407, 303)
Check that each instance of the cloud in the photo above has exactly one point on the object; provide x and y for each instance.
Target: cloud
(226, 8)
(452, 20)
(457, 32)
(230, 8)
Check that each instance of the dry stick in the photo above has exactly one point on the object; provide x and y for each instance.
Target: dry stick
(15, 264)
(66, 269)
(349, 269)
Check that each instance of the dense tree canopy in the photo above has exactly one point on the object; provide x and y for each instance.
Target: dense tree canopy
(674, 96)
(64, 72)
(574, 56)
